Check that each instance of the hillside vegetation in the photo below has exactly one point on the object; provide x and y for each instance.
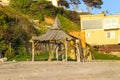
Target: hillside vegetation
(16, 28)
(15, 32)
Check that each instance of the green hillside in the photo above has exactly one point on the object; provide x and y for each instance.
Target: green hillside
(68, 25)
(16, 28)
(15, 32)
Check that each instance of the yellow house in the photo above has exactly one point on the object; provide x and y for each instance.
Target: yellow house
(101, 29)
(4, 2)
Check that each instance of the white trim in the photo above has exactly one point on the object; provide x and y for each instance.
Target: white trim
(93, 29)
(111, 23)
(88, 34)
(110, 35)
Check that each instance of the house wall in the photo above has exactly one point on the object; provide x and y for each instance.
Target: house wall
(100, 37)
(107, 33)
(81, 36)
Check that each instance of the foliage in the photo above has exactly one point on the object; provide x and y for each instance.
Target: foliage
(16, 30)
(41, 0)
(90, 3)
(102, 56)
(73, 16)
(41, 31)
(65, 22)
(28, 57)
(22, 5)
(5, 47)
(41, 8)
(42, 56)
(63, 3)
(75, 4)
(93, 3)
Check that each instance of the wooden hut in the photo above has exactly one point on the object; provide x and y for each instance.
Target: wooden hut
(56, 38)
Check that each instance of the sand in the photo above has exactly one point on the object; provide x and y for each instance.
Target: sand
(96, 70)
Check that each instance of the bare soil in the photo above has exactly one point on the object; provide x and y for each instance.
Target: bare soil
(96, 70)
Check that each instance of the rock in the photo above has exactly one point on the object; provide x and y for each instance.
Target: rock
(3, 59)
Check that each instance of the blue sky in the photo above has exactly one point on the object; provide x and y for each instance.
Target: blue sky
(112, 6)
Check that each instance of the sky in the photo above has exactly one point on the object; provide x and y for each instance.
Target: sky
(112, 6)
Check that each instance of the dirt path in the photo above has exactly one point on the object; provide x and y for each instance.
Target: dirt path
(102, 70)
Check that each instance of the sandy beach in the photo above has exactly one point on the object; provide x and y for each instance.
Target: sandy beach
(96, 70)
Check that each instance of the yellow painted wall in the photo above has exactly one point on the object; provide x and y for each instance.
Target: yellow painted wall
(81, 35)
(99, 36)
(90, 17)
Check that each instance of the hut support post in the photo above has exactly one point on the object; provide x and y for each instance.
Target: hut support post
(51, 51)
(50, 55)
(66, 48)
(57, 53)
(81, 54)
(33, 50)
(78, 53)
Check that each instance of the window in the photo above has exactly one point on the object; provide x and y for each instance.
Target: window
(110, 35)
(111, 23)
(92, 24)
(87, 34)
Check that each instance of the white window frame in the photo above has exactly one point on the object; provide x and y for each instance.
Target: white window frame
(111, 23)
(110, 35)
(88, 34)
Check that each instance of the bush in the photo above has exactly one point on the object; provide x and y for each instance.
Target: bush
(102, 56)
(68, 25)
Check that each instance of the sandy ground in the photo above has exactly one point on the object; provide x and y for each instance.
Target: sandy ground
(100, 70)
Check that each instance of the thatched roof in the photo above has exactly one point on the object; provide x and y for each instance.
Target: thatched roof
(56, 33)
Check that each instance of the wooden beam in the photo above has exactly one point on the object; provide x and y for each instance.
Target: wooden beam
(66, 48)
(57, 52)
(81, 52)
(78, 53)
(33, 50)
(80, 56)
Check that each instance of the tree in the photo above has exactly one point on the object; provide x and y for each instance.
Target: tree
(89, 3)
(63, 3)
(22, 5)
(75, 4)
(93, 3)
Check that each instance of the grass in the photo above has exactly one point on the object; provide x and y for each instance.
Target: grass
(21, 58)
(44, 56)
(28, 57)
(68, 25)
(101, 56)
